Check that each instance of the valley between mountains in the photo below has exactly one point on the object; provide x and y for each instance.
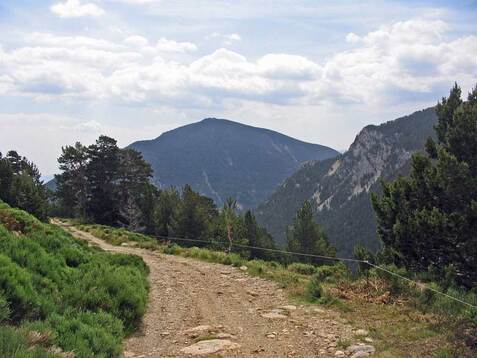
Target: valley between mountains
(197, 308)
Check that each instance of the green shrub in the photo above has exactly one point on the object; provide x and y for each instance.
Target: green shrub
(314, 289)
(17, 287)
(4, 309)
(14, 344)
(172, 249)
(87, 334)
(50, 282)
(331, 274)
(301, 268)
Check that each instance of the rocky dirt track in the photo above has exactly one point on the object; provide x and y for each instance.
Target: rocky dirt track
(198, 308)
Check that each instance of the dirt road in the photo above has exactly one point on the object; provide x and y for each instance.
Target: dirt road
(226, 311)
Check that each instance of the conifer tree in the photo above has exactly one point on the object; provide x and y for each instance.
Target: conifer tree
(71, 184)
(133, 182)
(21, 186)
(102, 173)
(165, 211)
(306, 236)
(257, 237)
(429, 219)
(194, 216)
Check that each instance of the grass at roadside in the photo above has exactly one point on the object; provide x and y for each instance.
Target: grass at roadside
(61, 298)
(403, 321)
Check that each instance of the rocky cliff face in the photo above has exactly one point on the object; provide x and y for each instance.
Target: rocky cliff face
(339, 188)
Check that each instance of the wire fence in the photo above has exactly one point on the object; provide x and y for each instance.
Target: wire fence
(331, 258)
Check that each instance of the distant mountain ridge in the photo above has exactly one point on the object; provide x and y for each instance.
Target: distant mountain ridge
(221, 158)
(339, 188)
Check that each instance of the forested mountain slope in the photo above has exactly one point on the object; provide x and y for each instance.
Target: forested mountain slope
(220, 158)
(339, 188)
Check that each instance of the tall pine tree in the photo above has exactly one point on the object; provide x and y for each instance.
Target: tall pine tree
(306, 236)
(429, 220)
(102, 173)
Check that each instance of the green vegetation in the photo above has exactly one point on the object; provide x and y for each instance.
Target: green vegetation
(20, 185)
(402, 318)
(221, 158)
(57, 294)
(104, 184)
(117, 236)
(306, 236)
(428, 220)
(347, 217)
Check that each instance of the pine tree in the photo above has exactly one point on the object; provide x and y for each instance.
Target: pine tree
(257, 237)
(165, 212)
(132, 181)
(230, 218)
(102, 173)
(194, 216)
(20, 185)
(306, 236)
(71, 185)
(429, 220)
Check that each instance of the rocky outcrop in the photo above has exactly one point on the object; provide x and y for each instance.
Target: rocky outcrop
(339, 188)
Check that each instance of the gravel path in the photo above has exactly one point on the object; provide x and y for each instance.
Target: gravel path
(198, 308)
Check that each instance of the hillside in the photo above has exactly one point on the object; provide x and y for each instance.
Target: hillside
(58, 295)
(339, 188)
(221, 158)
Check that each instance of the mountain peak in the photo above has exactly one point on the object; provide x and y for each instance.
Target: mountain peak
(222, 158)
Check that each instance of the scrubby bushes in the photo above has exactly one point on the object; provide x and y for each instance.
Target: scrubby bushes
(304, 269)
(115, 236)
(84, 299)
(15, 344)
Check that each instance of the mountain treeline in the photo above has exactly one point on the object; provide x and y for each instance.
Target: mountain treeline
(428, 221)
(20, 185)
(104, 184)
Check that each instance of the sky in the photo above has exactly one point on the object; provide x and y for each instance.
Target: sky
(318, 71)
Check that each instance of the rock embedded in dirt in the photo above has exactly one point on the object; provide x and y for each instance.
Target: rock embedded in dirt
(243, 268)
(360, 355)
(209, 347)
(361, 332)
(197, 331)
(223, 335)
(275, 314)
(172, 307)
(358, 350)
(289, 307)
(340, 354)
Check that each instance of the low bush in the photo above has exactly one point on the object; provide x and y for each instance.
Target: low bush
(50, 282)
(117, 236)
(314, 289)
(332, 274)
(301, 268)
(14, 344)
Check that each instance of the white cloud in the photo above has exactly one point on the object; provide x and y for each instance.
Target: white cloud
(234, 37)
(74, 8)
(166, 45)
(403, 61)
(400, 61)
(227, 39)
(90, 127)
(138, 2)
(136, 41)
(352, 38)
